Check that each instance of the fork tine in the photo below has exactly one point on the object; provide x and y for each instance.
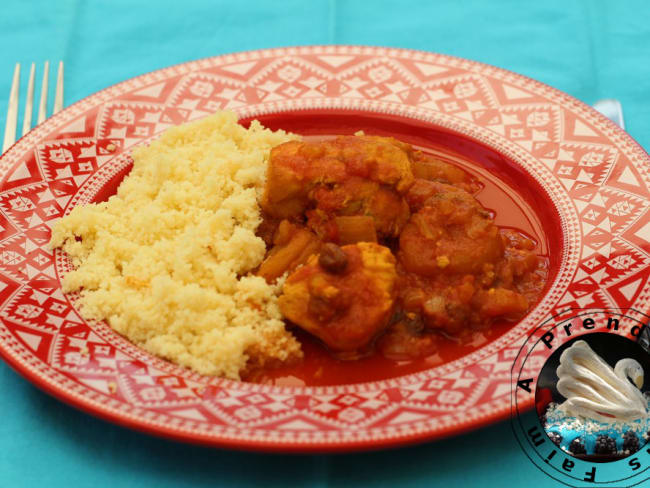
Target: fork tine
(42, 107)
(12, 111)
(58, 99)
(29, 104)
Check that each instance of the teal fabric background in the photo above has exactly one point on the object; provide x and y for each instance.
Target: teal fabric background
(589, 49)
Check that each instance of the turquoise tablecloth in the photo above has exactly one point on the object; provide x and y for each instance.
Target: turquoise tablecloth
(590, 49)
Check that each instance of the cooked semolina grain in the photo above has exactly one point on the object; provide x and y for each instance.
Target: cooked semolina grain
(165, 260)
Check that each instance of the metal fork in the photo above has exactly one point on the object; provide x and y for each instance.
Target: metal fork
(12, 110)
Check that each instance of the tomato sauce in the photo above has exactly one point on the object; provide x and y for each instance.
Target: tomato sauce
(320, 367)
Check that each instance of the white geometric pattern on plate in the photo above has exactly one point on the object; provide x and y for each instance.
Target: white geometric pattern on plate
(596, 176)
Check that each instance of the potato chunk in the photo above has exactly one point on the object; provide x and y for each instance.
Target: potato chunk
(292, 247)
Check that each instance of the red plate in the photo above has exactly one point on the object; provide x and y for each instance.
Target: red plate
(585, 179)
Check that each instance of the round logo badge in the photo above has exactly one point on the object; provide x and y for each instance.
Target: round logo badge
(588, 372)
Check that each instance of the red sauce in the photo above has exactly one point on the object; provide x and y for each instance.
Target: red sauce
(319, 367)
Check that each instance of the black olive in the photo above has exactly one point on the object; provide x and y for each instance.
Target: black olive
(332, 258)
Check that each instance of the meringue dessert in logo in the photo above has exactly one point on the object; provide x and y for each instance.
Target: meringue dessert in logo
(605, 413)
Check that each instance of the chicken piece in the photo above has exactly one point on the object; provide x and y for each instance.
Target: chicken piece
(344, 296)
(451, 232)
(358, 197)
(294, 169)
(348, 175)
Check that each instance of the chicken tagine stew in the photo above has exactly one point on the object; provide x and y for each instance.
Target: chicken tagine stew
(387, 251)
